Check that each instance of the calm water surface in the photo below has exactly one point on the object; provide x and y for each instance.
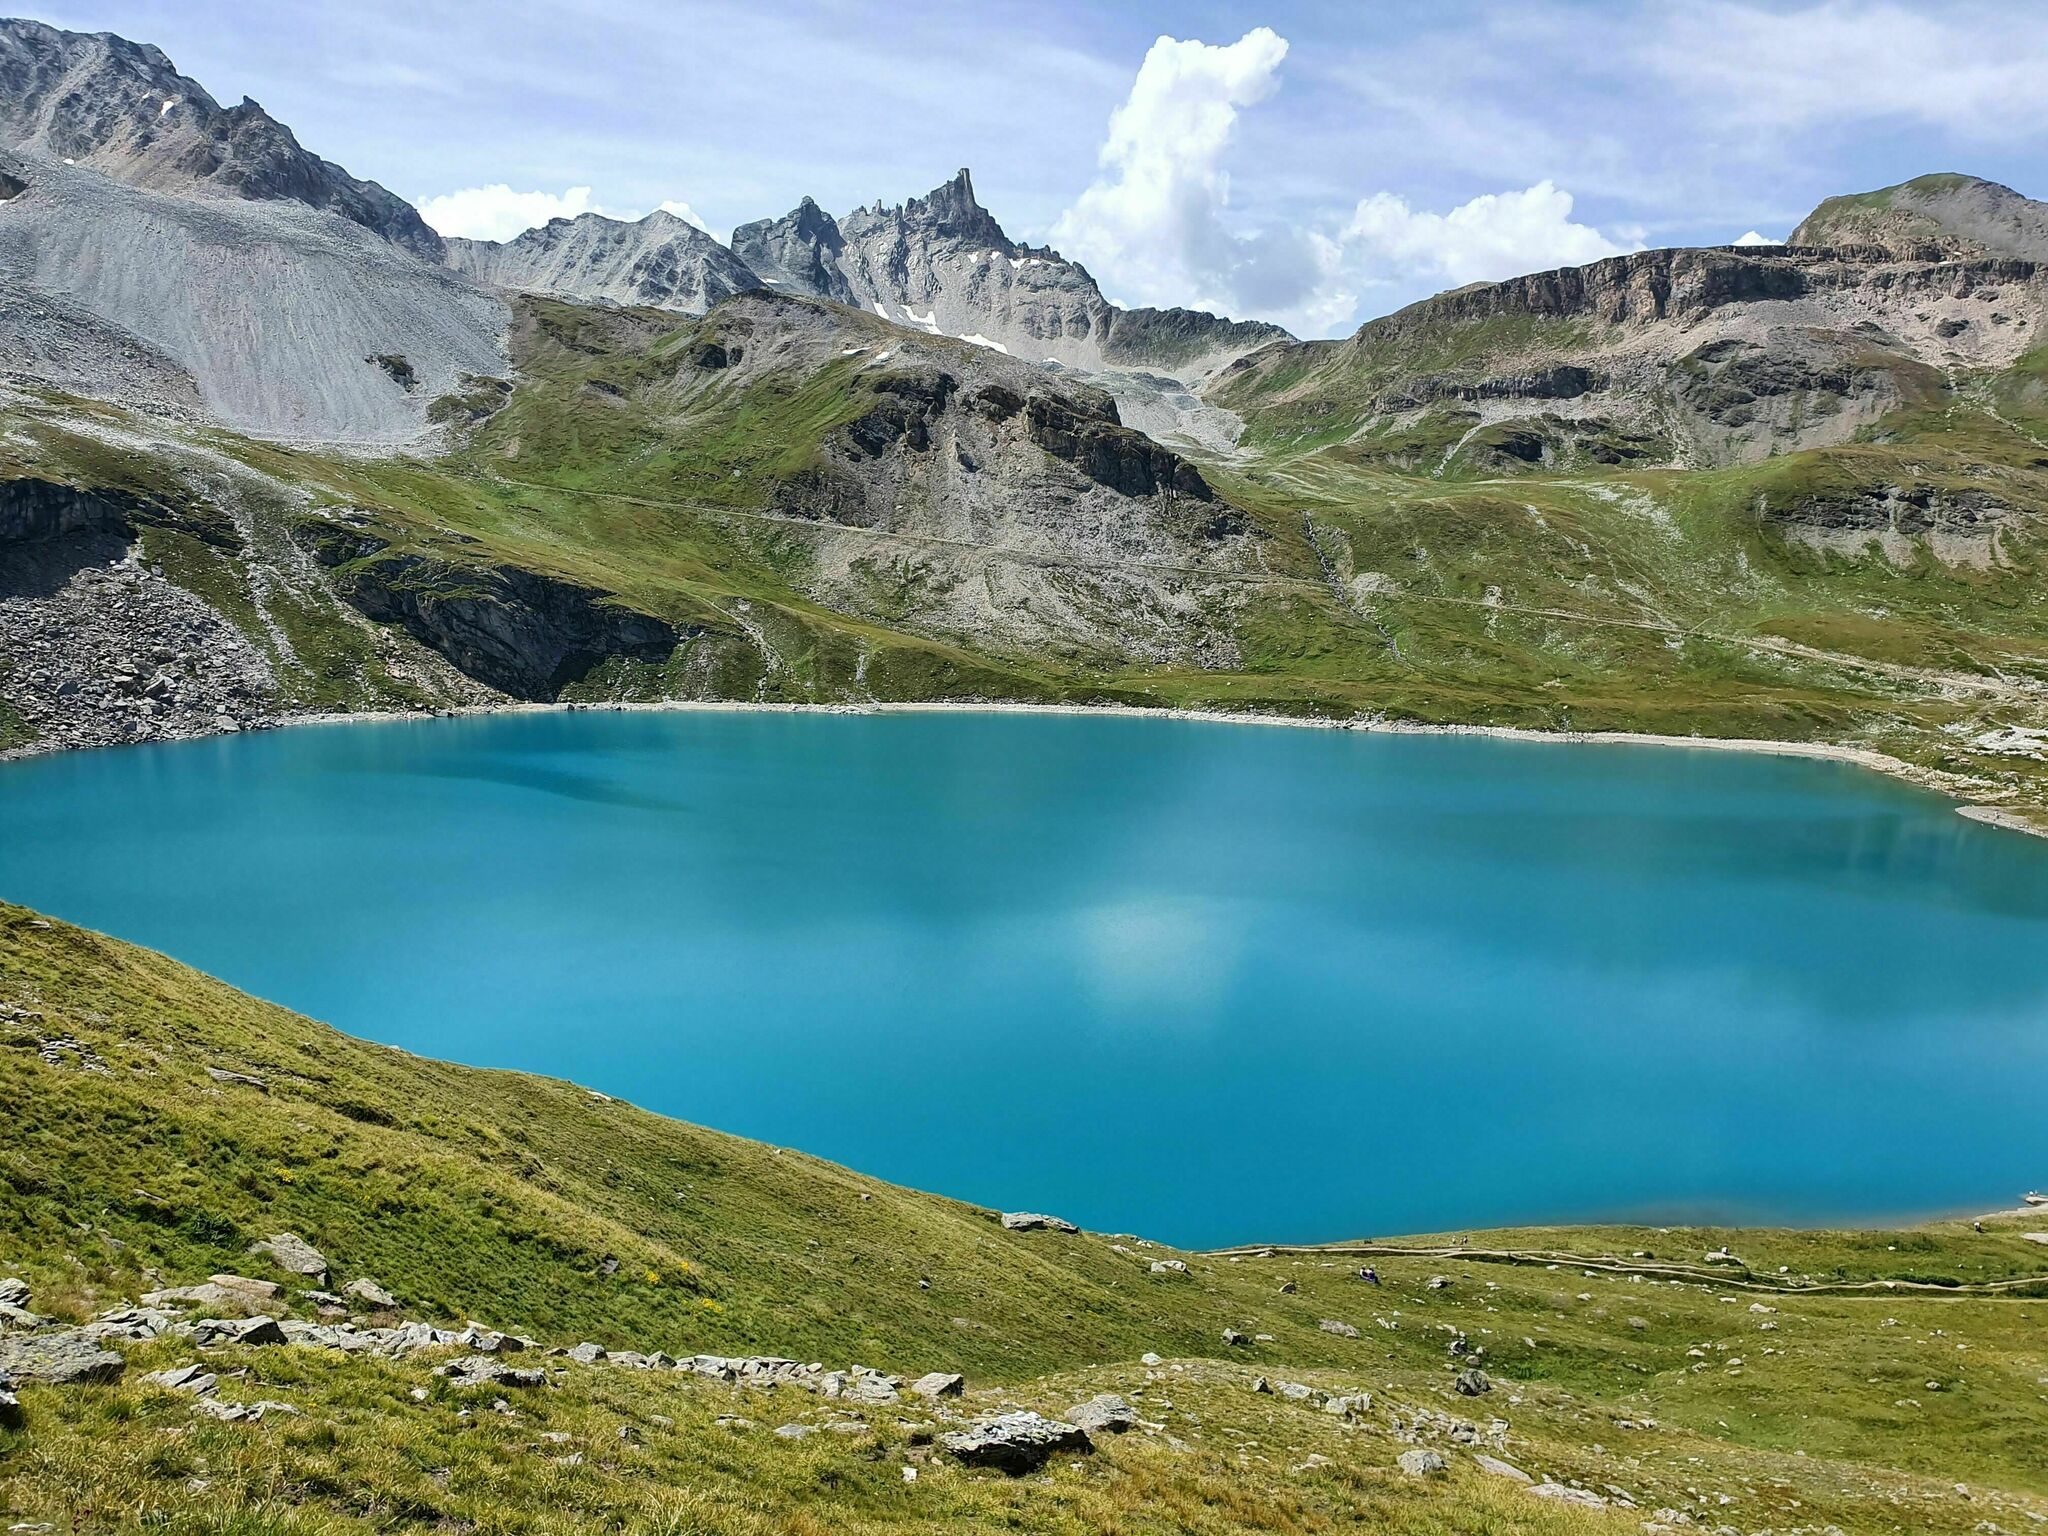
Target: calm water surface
(1209, 983)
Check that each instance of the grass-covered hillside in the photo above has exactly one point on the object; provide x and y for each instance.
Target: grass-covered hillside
(157, 1124)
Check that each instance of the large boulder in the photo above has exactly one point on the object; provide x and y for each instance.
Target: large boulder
(64, 1359)
(1015, 1443)
(489, 1371)
(1035, 1221)
(369, 1293)
(939, 1384)
(206, 1331)
(1104, 1413)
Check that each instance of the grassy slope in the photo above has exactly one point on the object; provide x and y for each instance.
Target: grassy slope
(500, 1196)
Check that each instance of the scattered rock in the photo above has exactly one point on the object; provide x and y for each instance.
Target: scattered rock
(1288, 1288)
(1104, 1413)
(1015, 1443)
(13, 1292)
(1169, 1267)
(1421, 1463)
(293, 1254)
(194, 1378)
(796, 1431)
(1566, 1494)
(240, 1413)
(1354, 1405)
(939, 1384)
(240, 1079)
(1034, 1221)
(1234, 1339)
(488, 1370)
(1473, 1382)
(1149, 1358)
(587, 1353)
(1494, 1466)
(1341, 1330)
(370, 1293)
(1439, 1282)
(225, 1293)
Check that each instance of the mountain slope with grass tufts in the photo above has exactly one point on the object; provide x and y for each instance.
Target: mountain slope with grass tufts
(391, 1214)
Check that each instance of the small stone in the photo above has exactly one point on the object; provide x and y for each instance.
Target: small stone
(1149, 1358)
(1472, 1383)
(939, 1384)
(1421, 1463)
(587, 1353)
(240, 1079)
(1439, 1282)
(13, 1292)
(1341, 1330)
(796, 1431)
(1233, 1339)
(1169, 1267)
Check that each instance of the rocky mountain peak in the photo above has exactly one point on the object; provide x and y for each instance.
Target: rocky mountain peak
(1967, 215)
(661, 260)
(122, 109)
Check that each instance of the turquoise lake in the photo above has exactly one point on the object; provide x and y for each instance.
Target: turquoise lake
(1204, 982)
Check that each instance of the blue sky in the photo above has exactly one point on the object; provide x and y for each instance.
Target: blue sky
(1316, 163)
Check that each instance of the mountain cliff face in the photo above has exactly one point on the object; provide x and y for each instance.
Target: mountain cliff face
(123, 109)
(942, 264)
(1964, 214)
(659, 260)
(1691, 357)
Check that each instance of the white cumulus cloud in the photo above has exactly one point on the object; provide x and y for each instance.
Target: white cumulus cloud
(1153, 218)
(1753, 238)
(684, 212)
(1498, 235)
(1156, 225)
(499, 213)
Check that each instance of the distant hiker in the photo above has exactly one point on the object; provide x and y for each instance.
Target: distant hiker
(1369, 1275)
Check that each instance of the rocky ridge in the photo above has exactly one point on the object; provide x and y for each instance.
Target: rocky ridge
(660, 260)
(1687, 357)
(121, 108)
(942, 264)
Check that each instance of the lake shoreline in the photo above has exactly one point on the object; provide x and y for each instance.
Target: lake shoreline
(1861, 757)
(1949, 786)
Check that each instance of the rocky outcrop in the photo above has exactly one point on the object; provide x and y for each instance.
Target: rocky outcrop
(123, 109)
(33, 510)
(660, 260)
(522, 633)
(1108, 452)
